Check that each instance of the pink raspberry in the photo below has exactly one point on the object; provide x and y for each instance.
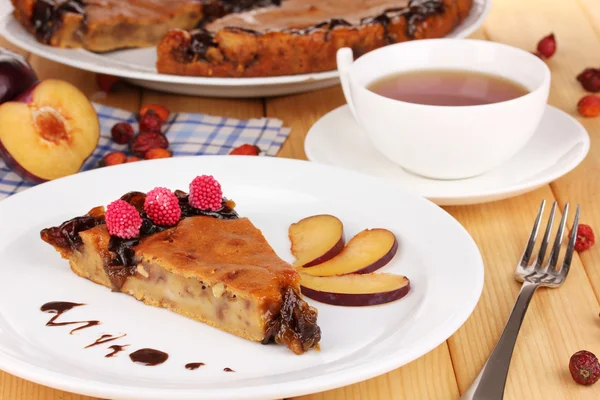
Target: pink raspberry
(162, 206)
(205, 193)
(122, 220)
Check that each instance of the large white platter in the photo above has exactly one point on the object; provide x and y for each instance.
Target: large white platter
(435, 252)
(138, 67)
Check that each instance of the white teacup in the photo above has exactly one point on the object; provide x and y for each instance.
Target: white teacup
(446, 142)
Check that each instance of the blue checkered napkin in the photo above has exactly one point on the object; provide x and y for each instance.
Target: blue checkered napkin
(188, 133)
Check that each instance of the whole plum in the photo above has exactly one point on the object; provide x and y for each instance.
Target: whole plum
(16, 75)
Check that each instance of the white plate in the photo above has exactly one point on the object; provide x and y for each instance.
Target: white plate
(436, 253)
(558, 146)
(138, 67)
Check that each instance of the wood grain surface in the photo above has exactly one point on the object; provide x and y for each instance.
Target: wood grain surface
(559, 321)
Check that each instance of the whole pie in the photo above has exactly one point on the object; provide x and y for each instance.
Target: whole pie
(212, 266)
(239, 38)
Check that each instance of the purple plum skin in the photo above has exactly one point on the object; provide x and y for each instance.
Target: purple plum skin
(16, 75)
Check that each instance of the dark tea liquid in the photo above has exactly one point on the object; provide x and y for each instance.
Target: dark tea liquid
(447, 88)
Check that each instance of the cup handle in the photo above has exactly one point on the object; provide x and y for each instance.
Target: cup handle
(345, 59)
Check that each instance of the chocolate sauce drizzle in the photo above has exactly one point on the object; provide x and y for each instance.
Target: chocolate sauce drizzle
(227, 369)
(61, 307)
(194, 365)
(104, 339)
(149, 357)
(47, 16)
(115, 350)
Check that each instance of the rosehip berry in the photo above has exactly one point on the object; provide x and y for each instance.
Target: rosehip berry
(589, 106)
(150, 122)
(107, 83)
(145, 141)
(122, 133)
(584, 367)
(590, 79)
(585, 237)
(246, 150)
(114, 158)
(161, 111)
(162, 206)
(157, 153)
(547, 46)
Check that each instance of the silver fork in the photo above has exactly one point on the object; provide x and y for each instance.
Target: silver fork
(489, 384)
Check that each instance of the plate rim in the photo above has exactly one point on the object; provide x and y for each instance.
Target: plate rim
(476, 197)
(48, 52)
(333, 380)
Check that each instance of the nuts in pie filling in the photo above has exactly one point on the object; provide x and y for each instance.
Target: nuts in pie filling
(218, 290)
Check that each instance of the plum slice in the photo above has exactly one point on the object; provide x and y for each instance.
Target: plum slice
(316, 239)
(366, 252)
(355, 290)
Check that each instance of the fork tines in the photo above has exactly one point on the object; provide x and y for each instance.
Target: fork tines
(538, 269)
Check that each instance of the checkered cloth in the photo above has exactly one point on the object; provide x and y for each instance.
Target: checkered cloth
(188, 134)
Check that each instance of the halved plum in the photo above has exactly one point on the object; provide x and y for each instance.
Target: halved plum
(355, 290)
(48, 131)
(366, 252)
(316, 239)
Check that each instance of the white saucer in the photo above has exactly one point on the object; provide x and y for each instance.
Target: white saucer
(558, 146)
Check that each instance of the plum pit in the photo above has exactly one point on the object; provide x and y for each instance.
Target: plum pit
(51, 125)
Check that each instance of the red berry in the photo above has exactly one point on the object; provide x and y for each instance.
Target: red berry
(585, 237)
(161, 111)
(206, 193)
(590, 79)
(114, 158)
(106, 83)
(589, 106)
(584, 367)
(145, 141)
(547, 46)
(133, 159)
(246, 150)
(162, 206)
(157, 153)
(150, 122)
(122, 133)
(122, 220)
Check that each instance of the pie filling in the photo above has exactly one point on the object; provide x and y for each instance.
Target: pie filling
(249, 291)
(48, 15)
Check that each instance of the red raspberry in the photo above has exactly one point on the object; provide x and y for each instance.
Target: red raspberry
(206, 193)
(584, 367)
(150, 122)
(122, 220)
(585, 237)
(162, 207)
(122, 133)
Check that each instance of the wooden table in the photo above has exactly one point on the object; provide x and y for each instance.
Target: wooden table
(559, 322)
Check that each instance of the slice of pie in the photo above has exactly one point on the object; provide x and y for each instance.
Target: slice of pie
(212, 266)
(302, 36)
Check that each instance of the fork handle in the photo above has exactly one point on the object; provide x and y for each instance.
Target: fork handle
(489, 384)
